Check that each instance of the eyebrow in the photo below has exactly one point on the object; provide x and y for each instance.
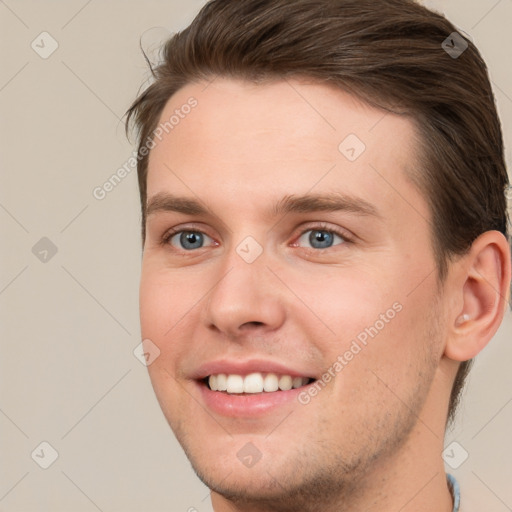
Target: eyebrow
(332, 202)
(163, 202)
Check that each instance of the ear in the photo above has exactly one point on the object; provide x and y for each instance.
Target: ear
(484, 282)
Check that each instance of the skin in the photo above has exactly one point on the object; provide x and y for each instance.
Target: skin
(371, 440)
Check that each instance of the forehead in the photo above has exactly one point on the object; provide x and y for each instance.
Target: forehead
(261, 141)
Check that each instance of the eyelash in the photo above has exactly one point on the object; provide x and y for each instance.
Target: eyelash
(347, 239)
(166, 239)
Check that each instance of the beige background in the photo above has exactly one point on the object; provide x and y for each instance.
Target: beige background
(70, 324)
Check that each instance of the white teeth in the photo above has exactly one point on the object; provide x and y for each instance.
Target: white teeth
(285, 383)
(255, 383)
(212, 381)
(235, 384)
(296, 383)
(271, 382)
(222, 382)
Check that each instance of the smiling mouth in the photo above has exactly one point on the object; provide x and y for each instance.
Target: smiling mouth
(254, 383)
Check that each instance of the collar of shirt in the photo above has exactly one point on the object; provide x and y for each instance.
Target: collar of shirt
(453, 485)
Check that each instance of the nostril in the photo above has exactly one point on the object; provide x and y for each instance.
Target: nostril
(253, 324)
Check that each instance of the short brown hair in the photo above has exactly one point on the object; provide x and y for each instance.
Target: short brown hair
(388, 53)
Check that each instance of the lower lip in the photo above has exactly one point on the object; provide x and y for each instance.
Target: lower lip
(247, 405)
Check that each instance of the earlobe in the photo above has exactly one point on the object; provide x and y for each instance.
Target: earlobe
(485, 289)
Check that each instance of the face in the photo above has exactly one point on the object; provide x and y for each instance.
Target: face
(286, 248)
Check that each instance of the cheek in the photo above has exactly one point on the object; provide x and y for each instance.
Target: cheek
(163, 309)
(370, 319)
(166, 298)
(170, 303)
(347, 301)
(153, 304)
(402, 353)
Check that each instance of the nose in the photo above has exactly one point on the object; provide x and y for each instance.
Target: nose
(246, 299)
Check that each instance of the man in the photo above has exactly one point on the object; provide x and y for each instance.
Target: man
(325, 248)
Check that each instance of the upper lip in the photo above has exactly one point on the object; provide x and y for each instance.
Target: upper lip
(245, 367)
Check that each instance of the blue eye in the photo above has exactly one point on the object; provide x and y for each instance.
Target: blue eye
(320, 238)
(189, 240)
